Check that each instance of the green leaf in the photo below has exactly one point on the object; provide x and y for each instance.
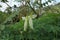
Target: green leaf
(0, 6)
(2, 27)
(44, 4)
(4, 1)
(49, 1)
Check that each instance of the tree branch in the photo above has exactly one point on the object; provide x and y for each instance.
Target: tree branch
(32, 9)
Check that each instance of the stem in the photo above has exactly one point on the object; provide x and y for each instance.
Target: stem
(40, 11)
(32, 9)
(7, 4)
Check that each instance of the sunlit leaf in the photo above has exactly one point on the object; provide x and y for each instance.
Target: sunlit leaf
(2, 27)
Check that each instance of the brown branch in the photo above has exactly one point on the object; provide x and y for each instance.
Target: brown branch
(32, 9)
(7, 4)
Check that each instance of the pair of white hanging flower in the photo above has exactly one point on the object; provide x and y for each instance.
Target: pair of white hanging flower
(28, 19)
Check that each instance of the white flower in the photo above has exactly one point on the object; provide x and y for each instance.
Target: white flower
(30, 22)
(26, 23)
(28, 19)
(23, 18)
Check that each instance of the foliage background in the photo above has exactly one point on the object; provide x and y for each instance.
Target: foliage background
(47, 27)
(46, 24)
